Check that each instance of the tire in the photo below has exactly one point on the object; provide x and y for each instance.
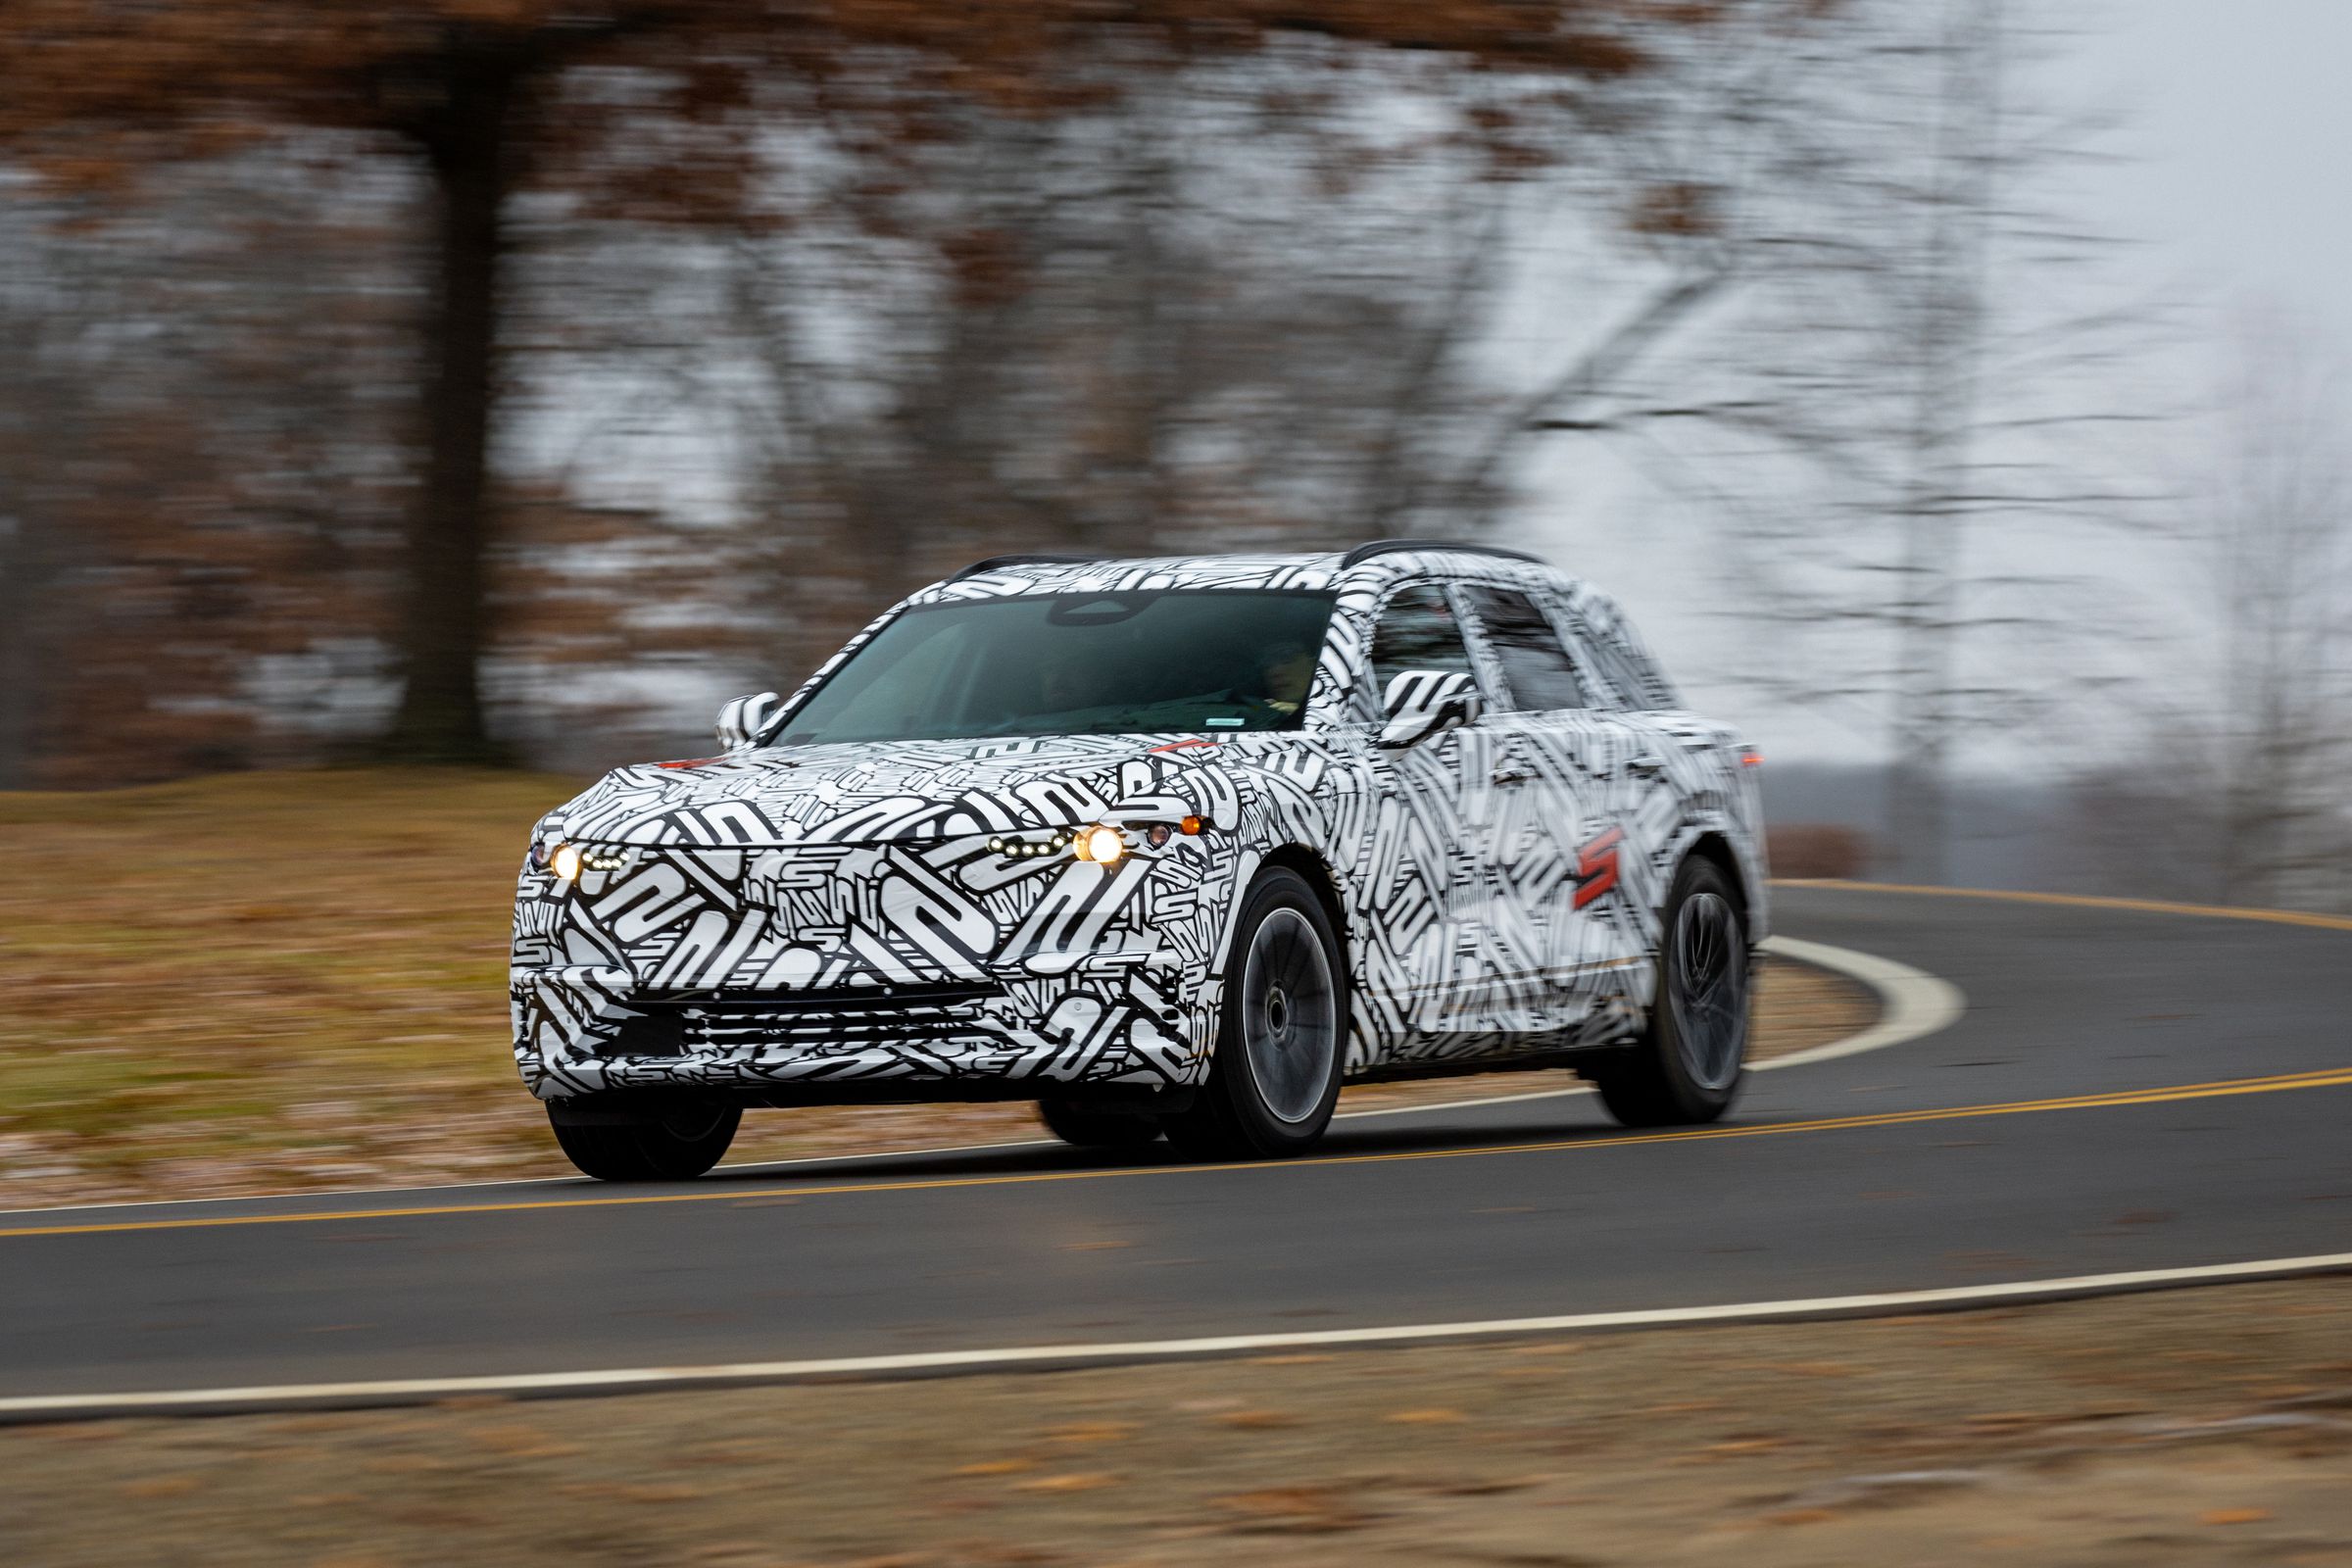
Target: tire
(1282, 1036)
(676, 1148)
(1689, 1068)
(1097, 1129)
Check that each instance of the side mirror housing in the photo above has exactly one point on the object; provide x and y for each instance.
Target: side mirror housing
(748, 720)
(1422, 703)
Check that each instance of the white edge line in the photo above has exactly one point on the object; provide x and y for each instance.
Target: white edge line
(411, 1390)
(1912, 1002)
(1912, 1005)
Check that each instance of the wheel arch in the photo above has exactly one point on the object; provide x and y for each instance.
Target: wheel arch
(1318, 875)
(1715, 847)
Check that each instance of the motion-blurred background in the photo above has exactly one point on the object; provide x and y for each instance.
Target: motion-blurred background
(1951, 388)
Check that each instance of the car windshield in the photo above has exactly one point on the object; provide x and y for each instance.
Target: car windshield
(1105, 663)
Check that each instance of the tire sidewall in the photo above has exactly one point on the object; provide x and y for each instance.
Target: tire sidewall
(1693, 1098)
(650, 1149)
(1234, 1082)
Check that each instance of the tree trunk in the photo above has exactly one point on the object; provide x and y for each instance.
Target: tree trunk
(1950, 353)
(22, 577)
(441, 633)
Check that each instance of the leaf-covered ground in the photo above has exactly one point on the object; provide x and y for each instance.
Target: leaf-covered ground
(268, 982)
(2176, 1431)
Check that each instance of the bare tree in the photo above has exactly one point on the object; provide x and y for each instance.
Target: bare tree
(1225, 306)
(2276, 556)
(2222, 775)
(1905, 382)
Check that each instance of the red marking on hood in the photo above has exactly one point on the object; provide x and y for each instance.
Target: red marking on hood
(1177, 746)
(693, 761)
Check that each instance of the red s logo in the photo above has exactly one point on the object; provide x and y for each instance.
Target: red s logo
(1596, 866)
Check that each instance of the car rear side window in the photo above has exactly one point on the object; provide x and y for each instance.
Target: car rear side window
(1416, 630)
(1535, 668)
(1638, 681)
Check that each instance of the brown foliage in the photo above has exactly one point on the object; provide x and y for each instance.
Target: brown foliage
(98, 89)
(640, 110)
(1820, 850)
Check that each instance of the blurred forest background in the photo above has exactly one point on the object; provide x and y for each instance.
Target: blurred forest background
(505, 382)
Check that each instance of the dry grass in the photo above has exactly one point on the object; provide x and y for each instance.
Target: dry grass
(2189, 1429)
(266, 982)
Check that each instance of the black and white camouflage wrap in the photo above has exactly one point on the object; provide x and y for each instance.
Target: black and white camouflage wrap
(834, 914)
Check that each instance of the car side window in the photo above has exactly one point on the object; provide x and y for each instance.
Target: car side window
(1539, 672)
(1416, 630)
(1614, 656)
(1623, 678)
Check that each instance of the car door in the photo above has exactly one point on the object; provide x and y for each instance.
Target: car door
(1555, 838)
(1424, 913)
(1662, 757)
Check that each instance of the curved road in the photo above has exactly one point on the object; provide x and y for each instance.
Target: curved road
(2128, 1089)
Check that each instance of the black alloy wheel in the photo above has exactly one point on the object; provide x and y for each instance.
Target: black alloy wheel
(1690, 1066)
(1282, 1036)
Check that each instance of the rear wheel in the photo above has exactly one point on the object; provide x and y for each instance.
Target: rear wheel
(1097, 1129)
(1690, 1065)
(1282, 1036)
(673, 1148)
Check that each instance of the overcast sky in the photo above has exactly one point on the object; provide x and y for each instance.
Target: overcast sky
(2242, 127)
(2236, 186)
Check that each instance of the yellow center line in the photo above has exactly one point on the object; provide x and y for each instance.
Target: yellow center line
(2335, 1077)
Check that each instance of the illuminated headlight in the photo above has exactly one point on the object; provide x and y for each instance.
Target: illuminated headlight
(1101, 844)
(563, 859)
(1104, 846)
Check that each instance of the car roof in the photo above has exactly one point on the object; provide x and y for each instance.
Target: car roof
(1305, 570)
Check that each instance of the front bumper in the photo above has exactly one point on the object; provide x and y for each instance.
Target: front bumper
(1136, 1020)
(956, 962)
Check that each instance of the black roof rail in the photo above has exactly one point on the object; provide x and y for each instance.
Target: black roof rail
(1389, 546)
(995, 562)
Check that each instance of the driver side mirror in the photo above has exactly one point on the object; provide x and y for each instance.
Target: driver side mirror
(1422, 703)
(745, 720)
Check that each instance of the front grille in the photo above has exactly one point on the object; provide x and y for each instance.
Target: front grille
(863, 1016)
(655, 1035)
(842, 999)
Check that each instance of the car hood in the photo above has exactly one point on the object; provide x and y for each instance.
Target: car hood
(873, 792)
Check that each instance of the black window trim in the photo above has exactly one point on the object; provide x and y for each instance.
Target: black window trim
(1580, 639)
(1370, 710)
(1547, 605)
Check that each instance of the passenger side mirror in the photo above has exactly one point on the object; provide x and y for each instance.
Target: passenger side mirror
(745, 720)
(1422, 703)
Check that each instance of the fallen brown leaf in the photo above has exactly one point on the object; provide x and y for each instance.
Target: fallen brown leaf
(1303, 1510)
(1076, 1482)
(162, 1487)
(1256, 1420)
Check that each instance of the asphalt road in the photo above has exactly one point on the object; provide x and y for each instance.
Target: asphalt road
(1828, 1181)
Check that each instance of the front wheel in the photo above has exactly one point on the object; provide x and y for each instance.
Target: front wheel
(1688, 1068)
(1282, 1032)
(676, 1148)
